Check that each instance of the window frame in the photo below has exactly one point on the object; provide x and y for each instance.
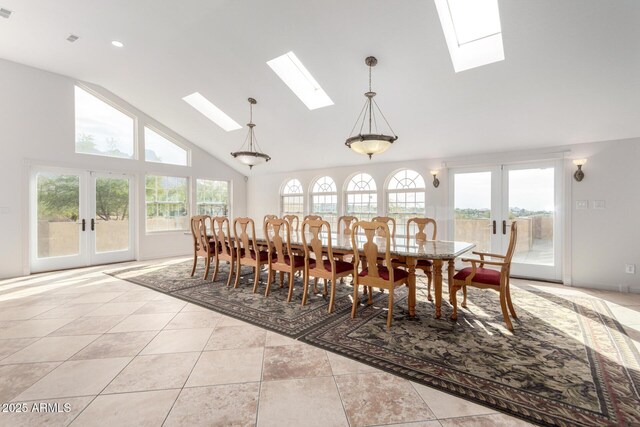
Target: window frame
(283, 195)
(229, 194)
(347, 193)
(401, 228)
(168, 138)
(187, 203)
(312, 194)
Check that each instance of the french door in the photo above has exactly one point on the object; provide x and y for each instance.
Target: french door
(486, 200)
(79, 218)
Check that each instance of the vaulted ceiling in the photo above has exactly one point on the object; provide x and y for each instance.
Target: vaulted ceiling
(571, 73)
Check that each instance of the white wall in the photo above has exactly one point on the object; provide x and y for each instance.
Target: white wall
(598, 242)
(37, 128)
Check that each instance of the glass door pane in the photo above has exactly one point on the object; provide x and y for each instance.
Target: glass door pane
(472, 208)
(58, 215)
(111, 214)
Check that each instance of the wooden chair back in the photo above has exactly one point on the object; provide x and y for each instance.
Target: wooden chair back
(373, 236)
(221, 230)
(201, 246)
(245, 237)
(274, 228)
(513, 237)
(312, 217)
(313, 245)
(387, 220)
(420, 226)
(348, 222)
(293, 220)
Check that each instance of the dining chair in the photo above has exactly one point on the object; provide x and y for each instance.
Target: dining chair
(347, 224)
(247, 252)
(225, 247)
(268, 216)
(324, 264)
(293, 220)
(375, 275)
(202, 246)
(312, 217)
(487, 278)
(419, 225)
(280, 256)
(387, 220)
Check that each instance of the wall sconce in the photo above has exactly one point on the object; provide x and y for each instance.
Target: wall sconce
(436, 181)
(579, 175)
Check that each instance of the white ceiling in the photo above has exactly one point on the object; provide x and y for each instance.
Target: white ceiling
(571, 74)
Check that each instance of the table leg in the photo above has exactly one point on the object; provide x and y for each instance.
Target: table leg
(411, 299)
(452, 263)
(437, 282)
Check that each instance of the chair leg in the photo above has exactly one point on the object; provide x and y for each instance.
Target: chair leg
(269, 279)
(315, 285)
(333, 294)
(207, 264)
(370, 300)
(290, 295)
(281, 279)
(510, 304)
(429, 274)
(195, 263)
(305, 287)
(354, 307)
(454, 301)
(390, 314)
(215, 269)
(464, 296)
(232, 265)
(237, 282)
(256, 280)
(505, 314)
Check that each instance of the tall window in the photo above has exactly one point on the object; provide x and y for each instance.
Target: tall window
(405, 198)
(102, 129)
(166, 203)
(159, 149)
(212, 197)
(361, 197)
(292, 199)
(324, 200)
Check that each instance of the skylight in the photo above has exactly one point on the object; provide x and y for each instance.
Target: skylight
(472, 30)
(213, 113)
(289, 68)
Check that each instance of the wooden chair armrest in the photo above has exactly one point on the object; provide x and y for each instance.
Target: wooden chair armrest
(483, 261)
(484, 254)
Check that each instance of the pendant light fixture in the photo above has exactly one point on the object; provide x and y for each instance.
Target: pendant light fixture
(253, 156)
(371, 141)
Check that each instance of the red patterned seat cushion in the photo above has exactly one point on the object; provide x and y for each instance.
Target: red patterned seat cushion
(486, 276)
(298, 261)
(264, 255)
(341, 266)
(383, 272)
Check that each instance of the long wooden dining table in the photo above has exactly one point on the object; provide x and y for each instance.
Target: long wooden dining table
(409, 249)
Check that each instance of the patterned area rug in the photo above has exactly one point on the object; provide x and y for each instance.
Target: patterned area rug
(569, 361)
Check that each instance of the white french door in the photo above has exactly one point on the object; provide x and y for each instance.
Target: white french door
(486, 200)
(79, 218)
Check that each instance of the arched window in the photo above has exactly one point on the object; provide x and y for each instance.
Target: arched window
(324, 200)
(292, 199)
(405, 198)
(361, 197)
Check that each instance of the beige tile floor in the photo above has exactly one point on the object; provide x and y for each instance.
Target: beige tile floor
(118, 354)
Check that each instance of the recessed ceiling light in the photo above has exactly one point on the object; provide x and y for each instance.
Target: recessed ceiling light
(116, 43)
(5, 13)
(72, 38)
(213, 113)
(289, 68)
(472, 30)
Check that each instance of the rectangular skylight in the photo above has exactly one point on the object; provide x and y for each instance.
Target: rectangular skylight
(472, 30)
(213, 113)
(289, 68)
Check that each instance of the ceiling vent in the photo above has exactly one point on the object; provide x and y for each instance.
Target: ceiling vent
(72, 38)
(5, 13)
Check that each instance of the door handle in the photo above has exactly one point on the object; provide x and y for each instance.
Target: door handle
(504, 227)
(93, 224)
(494, 226)
(84, 224)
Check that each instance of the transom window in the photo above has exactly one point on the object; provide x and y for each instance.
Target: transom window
(159, 149)
(102, 129)
(292, 199)
(166, 203)
(405, 198)
(212, 197)
(324, 200)
(361, 197)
